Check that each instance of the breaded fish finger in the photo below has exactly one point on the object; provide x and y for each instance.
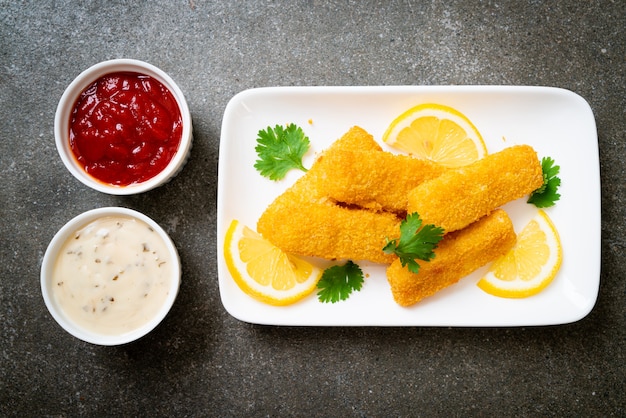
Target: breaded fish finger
(373, 179)
(356, 138)
(458, 254)
(304, 221)
(461, 196)
(328, 231)
(305, 188)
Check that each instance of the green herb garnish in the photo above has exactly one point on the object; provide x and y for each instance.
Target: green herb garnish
(546, 195)
(338, 282)
(416, 242)
(280, 150)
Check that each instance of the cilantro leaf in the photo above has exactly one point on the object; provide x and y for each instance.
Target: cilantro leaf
(338, 282)
(280, 150)
(416, 242)
(547, 195)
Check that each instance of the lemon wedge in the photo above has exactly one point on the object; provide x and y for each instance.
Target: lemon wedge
(438, 133)
(531, 265)
(263, 271)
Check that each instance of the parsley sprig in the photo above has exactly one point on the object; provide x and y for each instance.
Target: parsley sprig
(338, 282)
(547, 195)
(416, 242)
(280, 149)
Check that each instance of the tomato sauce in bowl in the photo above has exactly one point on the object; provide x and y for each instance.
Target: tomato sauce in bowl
(125, 128)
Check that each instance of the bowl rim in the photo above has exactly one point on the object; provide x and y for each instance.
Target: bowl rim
(66, 105)
(51, 256)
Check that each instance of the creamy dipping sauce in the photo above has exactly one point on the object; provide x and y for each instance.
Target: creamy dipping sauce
(113, 275)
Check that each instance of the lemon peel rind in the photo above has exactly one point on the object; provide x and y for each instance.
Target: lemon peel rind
(261, 293)
(519, 288)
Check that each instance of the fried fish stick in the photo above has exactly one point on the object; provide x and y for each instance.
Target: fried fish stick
(304, 221)
(458, 254)
(373, 179)
(305, 188)
(356, 138)
(328, 231)
(461, 196)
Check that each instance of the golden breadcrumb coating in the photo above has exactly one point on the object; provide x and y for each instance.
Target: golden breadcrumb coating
(329, 231)
(356, 138)
(373, 179)
(461, 196)
(305, 188)
(458, 254)
(305, 222)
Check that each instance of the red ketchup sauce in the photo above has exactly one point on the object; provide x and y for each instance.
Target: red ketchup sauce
(125, 128)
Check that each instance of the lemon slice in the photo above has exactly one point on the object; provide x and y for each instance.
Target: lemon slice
(530, 265)
(437, 133)
(264, 271)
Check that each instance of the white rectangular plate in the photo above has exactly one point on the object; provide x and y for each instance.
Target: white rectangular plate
(556, 122)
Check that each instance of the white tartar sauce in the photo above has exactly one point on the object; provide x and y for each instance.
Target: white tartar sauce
(113, 275)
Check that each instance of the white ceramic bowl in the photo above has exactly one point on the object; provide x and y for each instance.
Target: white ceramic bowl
(66, 105)
(90, 333)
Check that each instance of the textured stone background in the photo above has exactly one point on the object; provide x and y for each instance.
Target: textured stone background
(201, 361)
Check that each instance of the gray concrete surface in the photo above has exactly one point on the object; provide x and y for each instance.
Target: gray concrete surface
(202, 362)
